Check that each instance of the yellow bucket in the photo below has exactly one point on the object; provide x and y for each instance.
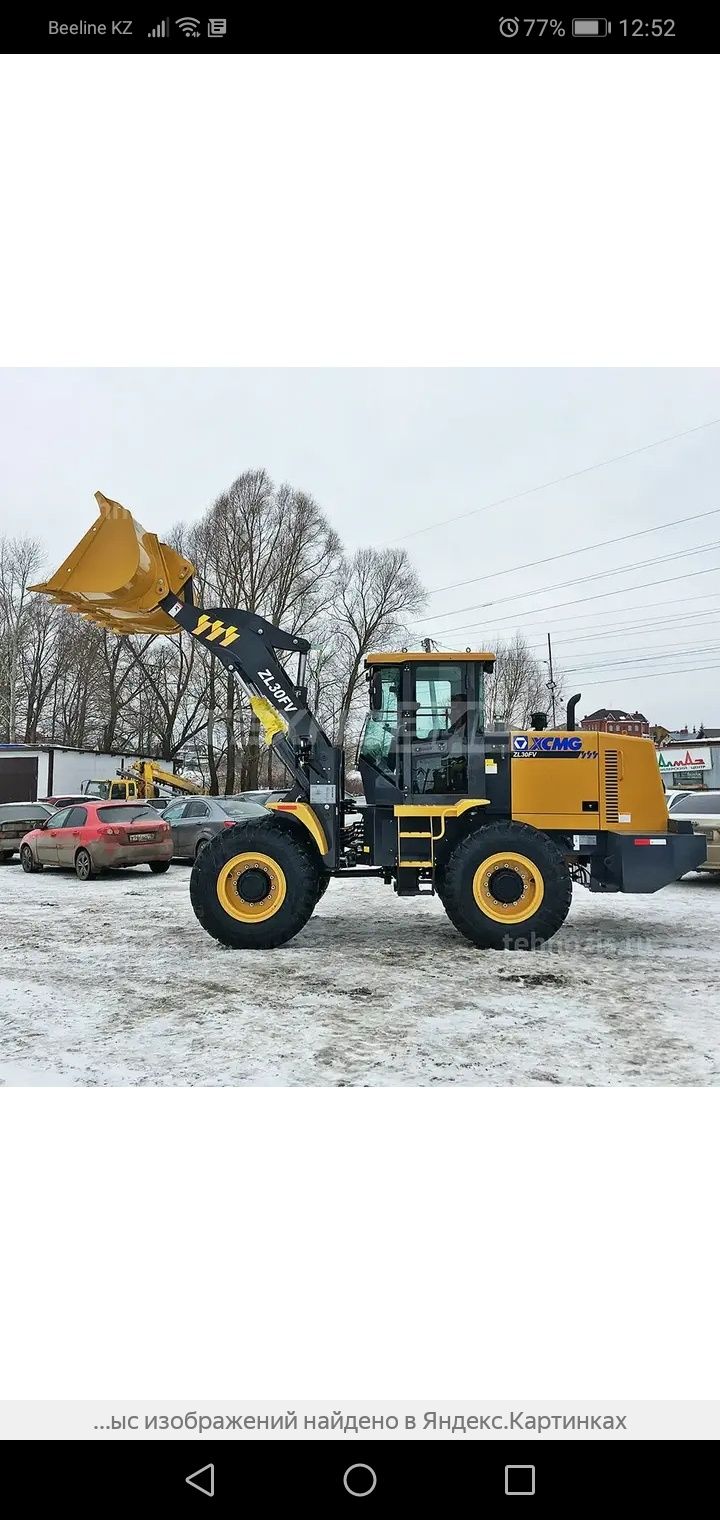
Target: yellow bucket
(118, 574)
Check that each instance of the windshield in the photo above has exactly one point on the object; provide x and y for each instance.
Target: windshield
(96, 788)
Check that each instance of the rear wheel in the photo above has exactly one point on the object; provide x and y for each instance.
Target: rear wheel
(27, 859)
(255, 886)
(507, 887)
(83, 866)
(199, 846)
(6, 855)
(159, 867)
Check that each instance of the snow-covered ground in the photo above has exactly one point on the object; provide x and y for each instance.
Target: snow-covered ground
(115, 983)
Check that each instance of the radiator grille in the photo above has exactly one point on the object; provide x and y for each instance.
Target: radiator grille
(612, 797)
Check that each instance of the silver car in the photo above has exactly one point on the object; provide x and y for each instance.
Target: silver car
(16, 820)
(198, 820)
(703, 810)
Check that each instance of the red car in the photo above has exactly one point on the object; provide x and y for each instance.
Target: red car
(99, 836)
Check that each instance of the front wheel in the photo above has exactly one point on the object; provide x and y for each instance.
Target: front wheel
(254, 887)
(507, 887)
(27, 859)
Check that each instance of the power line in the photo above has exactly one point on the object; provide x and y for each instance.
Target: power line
(531, 564)
(613, 611)
(575, 601)
(578, 580)
(654, 675)
(601, 464)
(664, 655)
(582, 617)
(648, 650)
(655, 625)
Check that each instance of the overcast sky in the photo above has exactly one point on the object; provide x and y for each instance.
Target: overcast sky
(388, 452)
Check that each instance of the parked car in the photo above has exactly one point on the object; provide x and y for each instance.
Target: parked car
(64, 799)
(671, 796)
(194, 822)
(99, 836)
(264, 796)
(703, 809)
(16, 818)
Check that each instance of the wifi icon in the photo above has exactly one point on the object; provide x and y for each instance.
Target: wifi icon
(189, 25)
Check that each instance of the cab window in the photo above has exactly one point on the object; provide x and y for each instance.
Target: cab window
(441, 699)
(378, 744)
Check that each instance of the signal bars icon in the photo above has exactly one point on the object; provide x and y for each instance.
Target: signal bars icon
(187, 24)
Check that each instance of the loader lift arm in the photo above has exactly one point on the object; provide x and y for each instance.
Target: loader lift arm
(247, 645)
(125, 579)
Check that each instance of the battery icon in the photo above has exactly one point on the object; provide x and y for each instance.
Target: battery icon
(592, 28)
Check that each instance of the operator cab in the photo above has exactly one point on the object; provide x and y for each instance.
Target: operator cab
(110, 791)
(423, 734)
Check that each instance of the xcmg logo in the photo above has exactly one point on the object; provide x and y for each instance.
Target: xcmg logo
(545, 744)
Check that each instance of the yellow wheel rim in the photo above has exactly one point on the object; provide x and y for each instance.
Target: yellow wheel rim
(520, 879)
(234, 880)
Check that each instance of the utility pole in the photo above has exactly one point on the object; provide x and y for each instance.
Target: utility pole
(551, 682)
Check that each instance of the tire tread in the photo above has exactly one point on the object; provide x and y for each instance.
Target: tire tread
(464, 913)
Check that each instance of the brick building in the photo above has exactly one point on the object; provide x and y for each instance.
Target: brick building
(614, 720)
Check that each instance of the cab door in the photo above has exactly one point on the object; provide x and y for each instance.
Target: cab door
(439, 730)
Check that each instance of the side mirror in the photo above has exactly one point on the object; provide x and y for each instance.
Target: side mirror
(375, 691)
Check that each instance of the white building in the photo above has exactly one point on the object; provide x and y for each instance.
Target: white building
(29, 772)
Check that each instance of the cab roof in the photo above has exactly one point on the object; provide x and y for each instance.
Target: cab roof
(435, 657)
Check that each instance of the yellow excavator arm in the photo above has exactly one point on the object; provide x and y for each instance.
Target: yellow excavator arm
(151, 775)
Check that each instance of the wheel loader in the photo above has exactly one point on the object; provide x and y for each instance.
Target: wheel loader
(499, 824)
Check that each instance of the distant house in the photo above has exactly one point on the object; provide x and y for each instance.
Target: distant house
(615, 720)
(680, 735)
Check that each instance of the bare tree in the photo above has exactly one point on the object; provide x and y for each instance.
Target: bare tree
(270, 551)
(20, 561)
(518, 686)
(378, 590)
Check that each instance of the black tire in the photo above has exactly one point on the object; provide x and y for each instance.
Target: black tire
(529, 866)
(83, 866)
(6, 855)
(159, 867)
(27, 859)
(200, 846)
(323, 884)
(286, 897)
